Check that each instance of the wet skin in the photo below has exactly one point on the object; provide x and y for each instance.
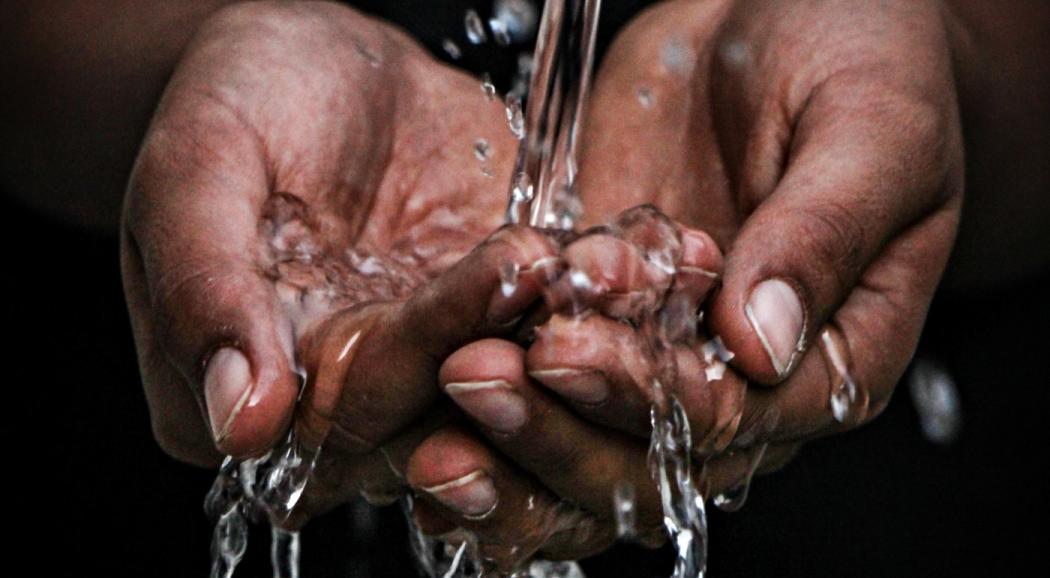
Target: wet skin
(824, 155)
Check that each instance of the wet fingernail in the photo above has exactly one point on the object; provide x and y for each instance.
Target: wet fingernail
(581, 385)
(694, 246)
(776, 314)
(494, 403)
(472, 495)
(227, 384)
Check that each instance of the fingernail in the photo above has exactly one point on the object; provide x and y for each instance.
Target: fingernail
(775, 312)
(472, 495)
(693, 247)
(581, 385)
(227, 384)
(494, 403)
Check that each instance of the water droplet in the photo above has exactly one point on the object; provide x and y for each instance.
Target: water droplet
(499, 32)
(451, 48)
(676, 56)
(517, 17)
(482, 150)
(515, 116)
(487, 87)
(936, 399)
(522, 190)
(844, 391)
(715, 371)
(474, 27)
(734, 53)
(716, 348)
(624, 509)
(645, 97)
(508, 278)
(580, 282)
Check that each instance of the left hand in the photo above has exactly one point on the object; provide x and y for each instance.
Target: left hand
(819, 143)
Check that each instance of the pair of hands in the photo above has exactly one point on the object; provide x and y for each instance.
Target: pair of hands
(817, 141)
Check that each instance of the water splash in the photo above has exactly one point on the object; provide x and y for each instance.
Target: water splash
(269, 487)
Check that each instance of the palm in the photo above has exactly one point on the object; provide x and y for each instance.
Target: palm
(304, 163)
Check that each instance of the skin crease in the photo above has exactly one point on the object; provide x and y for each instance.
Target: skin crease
(745, 126)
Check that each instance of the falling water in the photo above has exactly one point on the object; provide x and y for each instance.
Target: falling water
(543, 193)
(267, 487)
(561, 71)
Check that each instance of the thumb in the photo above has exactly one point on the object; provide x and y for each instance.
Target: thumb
(864, 163)
(208, 325)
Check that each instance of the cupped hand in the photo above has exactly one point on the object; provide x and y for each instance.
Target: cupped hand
(309, 201)
(818, 143)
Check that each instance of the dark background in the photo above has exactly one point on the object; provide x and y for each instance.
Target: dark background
(88, 493)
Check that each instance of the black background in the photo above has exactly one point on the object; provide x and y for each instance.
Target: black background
(88, 493)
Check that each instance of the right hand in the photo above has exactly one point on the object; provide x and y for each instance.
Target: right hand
(292, 141)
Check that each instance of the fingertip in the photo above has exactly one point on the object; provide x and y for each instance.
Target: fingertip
(699, 250)
(451, 469)
(727, 317)
(249, 404)
(485, 359)
(445, 455)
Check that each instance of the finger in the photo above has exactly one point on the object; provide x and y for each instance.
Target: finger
(372, 370)
(575, 460)
(191, 243)
(608, 275)
(628, 267)
(597, 366)
(468, 486)
(697, 273)
(865, 162)
(861, 353)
